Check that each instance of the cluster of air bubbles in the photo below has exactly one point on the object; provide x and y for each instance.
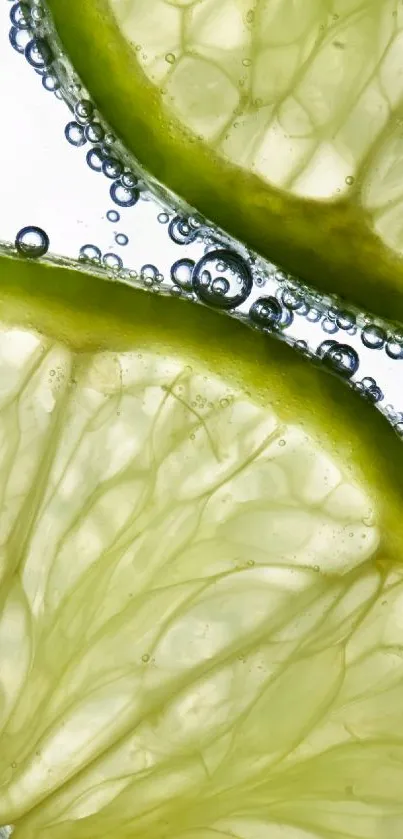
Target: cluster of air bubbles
(182, 231)
(75, 134)
(150, 275)
(369, 389)
(90, 253)
(339, 358)
(222, 279)
(32, 242)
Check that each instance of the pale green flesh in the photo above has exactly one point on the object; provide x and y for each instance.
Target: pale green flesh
(280, 121)
(200, 618)
(306, 94)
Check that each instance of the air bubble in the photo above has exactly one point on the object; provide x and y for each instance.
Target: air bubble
(266, 313)
(94, 132)
(38, 53)
(181, 273)
(112, 261)
(90, 253)
(113, 215)
(32, 242)
(50, 82)
(170, 58)
(394, 349)
(74, 134)
(129, 180)
(222, 279)
(350, 180)
(19, 39)
(181, 231)
(150, 274)
(340, 358)
(95, 159)
(369, 389)
(345, 320)
(292, 299)
(111, 167)
(163, 218)
(122, 195)
(84, 110)
(329, 326)
(121, 239)
(373, 337)
(20, 15)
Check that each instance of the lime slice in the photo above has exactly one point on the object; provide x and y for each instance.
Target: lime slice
(281, 120)
(201, 587)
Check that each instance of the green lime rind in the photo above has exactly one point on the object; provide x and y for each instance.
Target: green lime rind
(88, 313)
(328, 246)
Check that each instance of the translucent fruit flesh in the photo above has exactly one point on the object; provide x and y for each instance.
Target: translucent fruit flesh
(201, 585)
(281, 120)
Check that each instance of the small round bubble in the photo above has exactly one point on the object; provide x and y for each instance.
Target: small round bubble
(340, 358)
(94, 132)
(373, 337)
(181, 273)
(181, 231)
(163, 218)
(20, 15)
(121, 239)
(90, 253)
(32, 241)
(394, 349)
(84, 110)
(74, 134)
(122, 195)
(94, 159)
(111, 167)
(266, 313)
(113, 215)
(129, 180)
(112, 261)
(50, 82)
(19, 39)
(38, 53)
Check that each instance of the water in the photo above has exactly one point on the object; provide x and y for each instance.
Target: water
(147, 237)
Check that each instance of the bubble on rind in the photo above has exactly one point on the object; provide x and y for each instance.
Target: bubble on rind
(38, 53)
(265, 313)
(20, 15)
(340, 358)
(222, 279)
(122, 195)
(394, 349)
(90, 253)
(181, 232)
(111, 167)
(74, 134)
(32, 242)
(84, 110)
(112, 261)
(19, 39)
(373, 337)
(94, 132)
(369, 390)
(95, 159)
